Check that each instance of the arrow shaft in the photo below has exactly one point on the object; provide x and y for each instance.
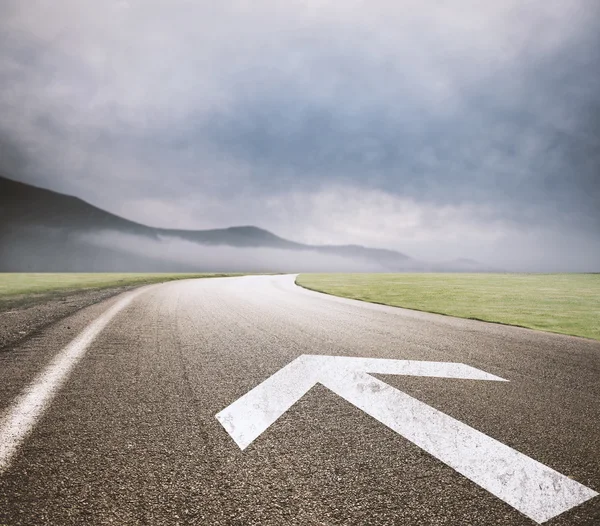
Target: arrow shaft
(535, 490)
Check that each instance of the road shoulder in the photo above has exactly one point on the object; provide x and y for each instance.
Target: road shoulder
(19, 322)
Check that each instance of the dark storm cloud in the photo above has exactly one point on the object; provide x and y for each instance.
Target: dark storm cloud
(513, 153)
(429, 119)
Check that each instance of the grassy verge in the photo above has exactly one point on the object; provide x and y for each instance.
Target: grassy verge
(563, 303)
(26, 288)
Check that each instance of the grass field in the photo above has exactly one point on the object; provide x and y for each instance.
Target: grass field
(563, 303)
(18, 288)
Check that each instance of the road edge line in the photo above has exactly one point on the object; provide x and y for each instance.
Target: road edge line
(23, 413)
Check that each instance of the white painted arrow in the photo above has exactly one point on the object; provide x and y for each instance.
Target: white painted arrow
(534, 489)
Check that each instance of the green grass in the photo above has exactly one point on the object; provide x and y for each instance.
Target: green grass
(563, 303)
(26, 288)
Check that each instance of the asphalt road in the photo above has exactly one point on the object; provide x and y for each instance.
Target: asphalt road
(131, 437)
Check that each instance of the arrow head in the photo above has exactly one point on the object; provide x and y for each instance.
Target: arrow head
(249, 416)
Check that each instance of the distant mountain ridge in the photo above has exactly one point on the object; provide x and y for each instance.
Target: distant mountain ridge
(26, 208)
(43, 230)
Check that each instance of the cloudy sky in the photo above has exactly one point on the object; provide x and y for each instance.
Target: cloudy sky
(440, 129)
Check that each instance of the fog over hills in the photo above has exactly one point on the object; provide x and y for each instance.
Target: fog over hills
(42, 230)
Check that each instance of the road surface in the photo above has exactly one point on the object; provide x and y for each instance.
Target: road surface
(124, 429)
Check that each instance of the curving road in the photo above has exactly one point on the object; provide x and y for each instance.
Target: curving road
(123, 430)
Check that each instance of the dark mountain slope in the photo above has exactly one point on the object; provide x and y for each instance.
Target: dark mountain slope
(23, 205)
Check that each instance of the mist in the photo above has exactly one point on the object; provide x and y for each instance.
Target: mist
(54, 250)
(171, 251)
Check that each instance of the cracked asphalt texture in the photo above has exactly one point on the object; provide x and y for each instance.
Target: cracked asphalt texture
(132, 437)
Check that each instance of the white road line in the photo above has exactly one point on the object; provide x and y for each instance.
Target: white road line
(27, 408)
(536, 490)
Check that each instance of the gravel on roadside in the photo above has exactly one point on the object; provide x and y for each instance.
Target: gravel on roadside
(19, 322)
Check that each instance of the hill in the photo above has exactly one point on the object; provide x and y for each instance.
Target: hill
(43, 230)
